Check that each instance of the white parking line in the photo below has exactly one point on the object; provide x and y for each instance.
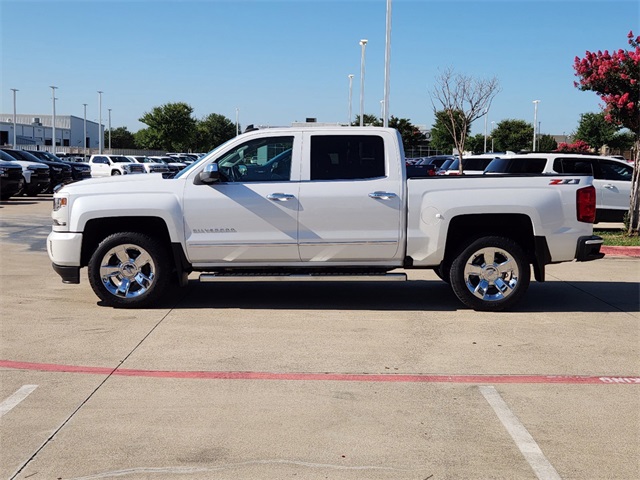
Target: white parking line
(22, 393)
(525, 442)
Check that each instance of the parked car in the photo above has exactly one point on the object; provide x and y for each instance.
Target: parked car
(110, 165)
(174, 165)
(35, 175)
(59, 172)
(437, 160)
(11, 180)
(79, 170)
(611, 177)
(150, 165)
(474, 164)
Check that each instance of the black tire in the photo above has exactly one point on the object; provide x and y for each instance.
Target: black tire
(130, 270)
(115, 172)
(491, 274)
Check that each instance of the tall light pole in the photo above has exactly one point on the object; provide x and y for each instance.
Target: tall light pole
(387, 61)
(350, 97)
(486, 116)
(535, 122)
(237, 121)
(53, 123)
(14, 90)
(492, 125)
(382, 111)
(109, 130)
(363, 44)
(99, 122)
(85, 132)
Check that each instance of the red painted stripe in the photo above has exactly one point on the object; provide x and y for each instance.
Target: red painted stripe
(344, 377)
(621, 251)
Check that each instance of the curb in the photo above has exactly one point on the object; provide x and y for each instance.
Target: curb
(621, 251)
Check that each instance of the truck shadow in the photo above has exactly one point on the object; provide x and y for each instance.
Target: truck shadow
(415, 295)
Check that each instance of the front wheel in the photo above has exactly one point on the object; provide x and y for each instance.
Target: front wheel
(129, 270)
(491, 274)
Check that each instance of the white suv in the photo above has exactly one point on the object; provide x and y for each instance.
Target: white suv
(149, 164)
(108, 165)
(611, 177)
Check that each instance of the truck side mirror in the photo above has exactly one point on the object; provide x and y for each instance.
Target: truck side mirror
(210, 174)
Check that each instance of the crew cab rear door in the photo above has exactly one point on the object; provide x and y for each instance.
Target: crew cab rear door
(250, 215)
(351, 198)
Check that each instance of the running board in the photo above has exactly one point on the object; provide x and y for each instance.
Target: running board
(296, 277)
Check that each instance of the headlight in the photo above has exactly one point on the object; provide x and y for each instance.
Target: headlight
(3, 171)
(59, 202)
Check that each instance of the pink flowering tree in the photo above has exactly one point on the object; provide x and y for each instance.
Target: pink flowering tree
(615, 77)
(579, 146)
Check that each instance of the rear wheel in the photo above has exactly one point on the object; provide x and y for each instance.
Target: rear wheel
(130, 270)
(491, 274)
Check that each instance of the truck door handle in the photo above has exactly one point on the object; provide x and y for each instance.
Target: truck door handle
(280, 197)
(609, 186)
(382, 195)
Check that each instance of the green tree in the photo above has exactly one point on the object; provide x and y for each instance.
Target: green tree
(514, 135)
(144, 140)
(622, 141)
(475, 144)
(170, 127)
(411, 135)
(595, 130)
(213, 130)
(546, 143)
(121, 137)
(369, 121)
(441, 137)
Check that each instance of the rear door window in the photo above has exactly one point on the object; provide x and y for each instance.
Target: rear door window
(573, 165)
(343, 157)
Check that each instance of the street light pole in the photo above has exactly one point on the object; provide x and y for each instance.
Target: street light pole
(53, 123)
(109, 130)
(237, 121)
(363, 44)
(100, 122)
(14, 90)
(486, 116)
(350, 97)
(387, 61)
(85, 132)
(492, 125)
(535, 122)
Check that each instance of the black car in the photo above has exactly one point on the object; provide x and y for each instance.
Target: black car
(60, 172)
(11, 180)
(79, 171)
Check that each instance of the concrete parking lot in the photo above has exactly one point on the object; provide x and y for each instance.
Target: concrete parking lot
(315, 381)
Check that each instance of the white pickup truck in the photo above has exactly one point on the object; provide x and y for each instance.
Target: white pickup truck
(318, 204)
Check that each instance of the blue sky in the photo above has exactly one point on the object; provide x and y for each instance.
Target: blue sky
(282, 61)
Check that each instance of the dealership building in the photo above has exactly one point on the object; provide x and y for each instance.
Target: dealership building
(36, 130)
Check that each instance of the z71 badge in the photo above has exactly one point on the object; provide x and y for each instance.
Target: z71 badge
(565, 181)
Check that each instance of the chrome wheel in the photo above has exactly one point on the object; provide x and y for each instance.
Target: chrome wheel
(130, 269)
(491, 274)
(127, 271)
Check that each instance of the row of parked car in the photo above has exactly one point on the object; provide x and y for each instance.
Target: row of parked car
(30, 173)
(611, 176)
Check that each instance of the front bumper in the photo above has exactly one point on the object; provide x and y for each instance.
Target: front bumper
(589, 248)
